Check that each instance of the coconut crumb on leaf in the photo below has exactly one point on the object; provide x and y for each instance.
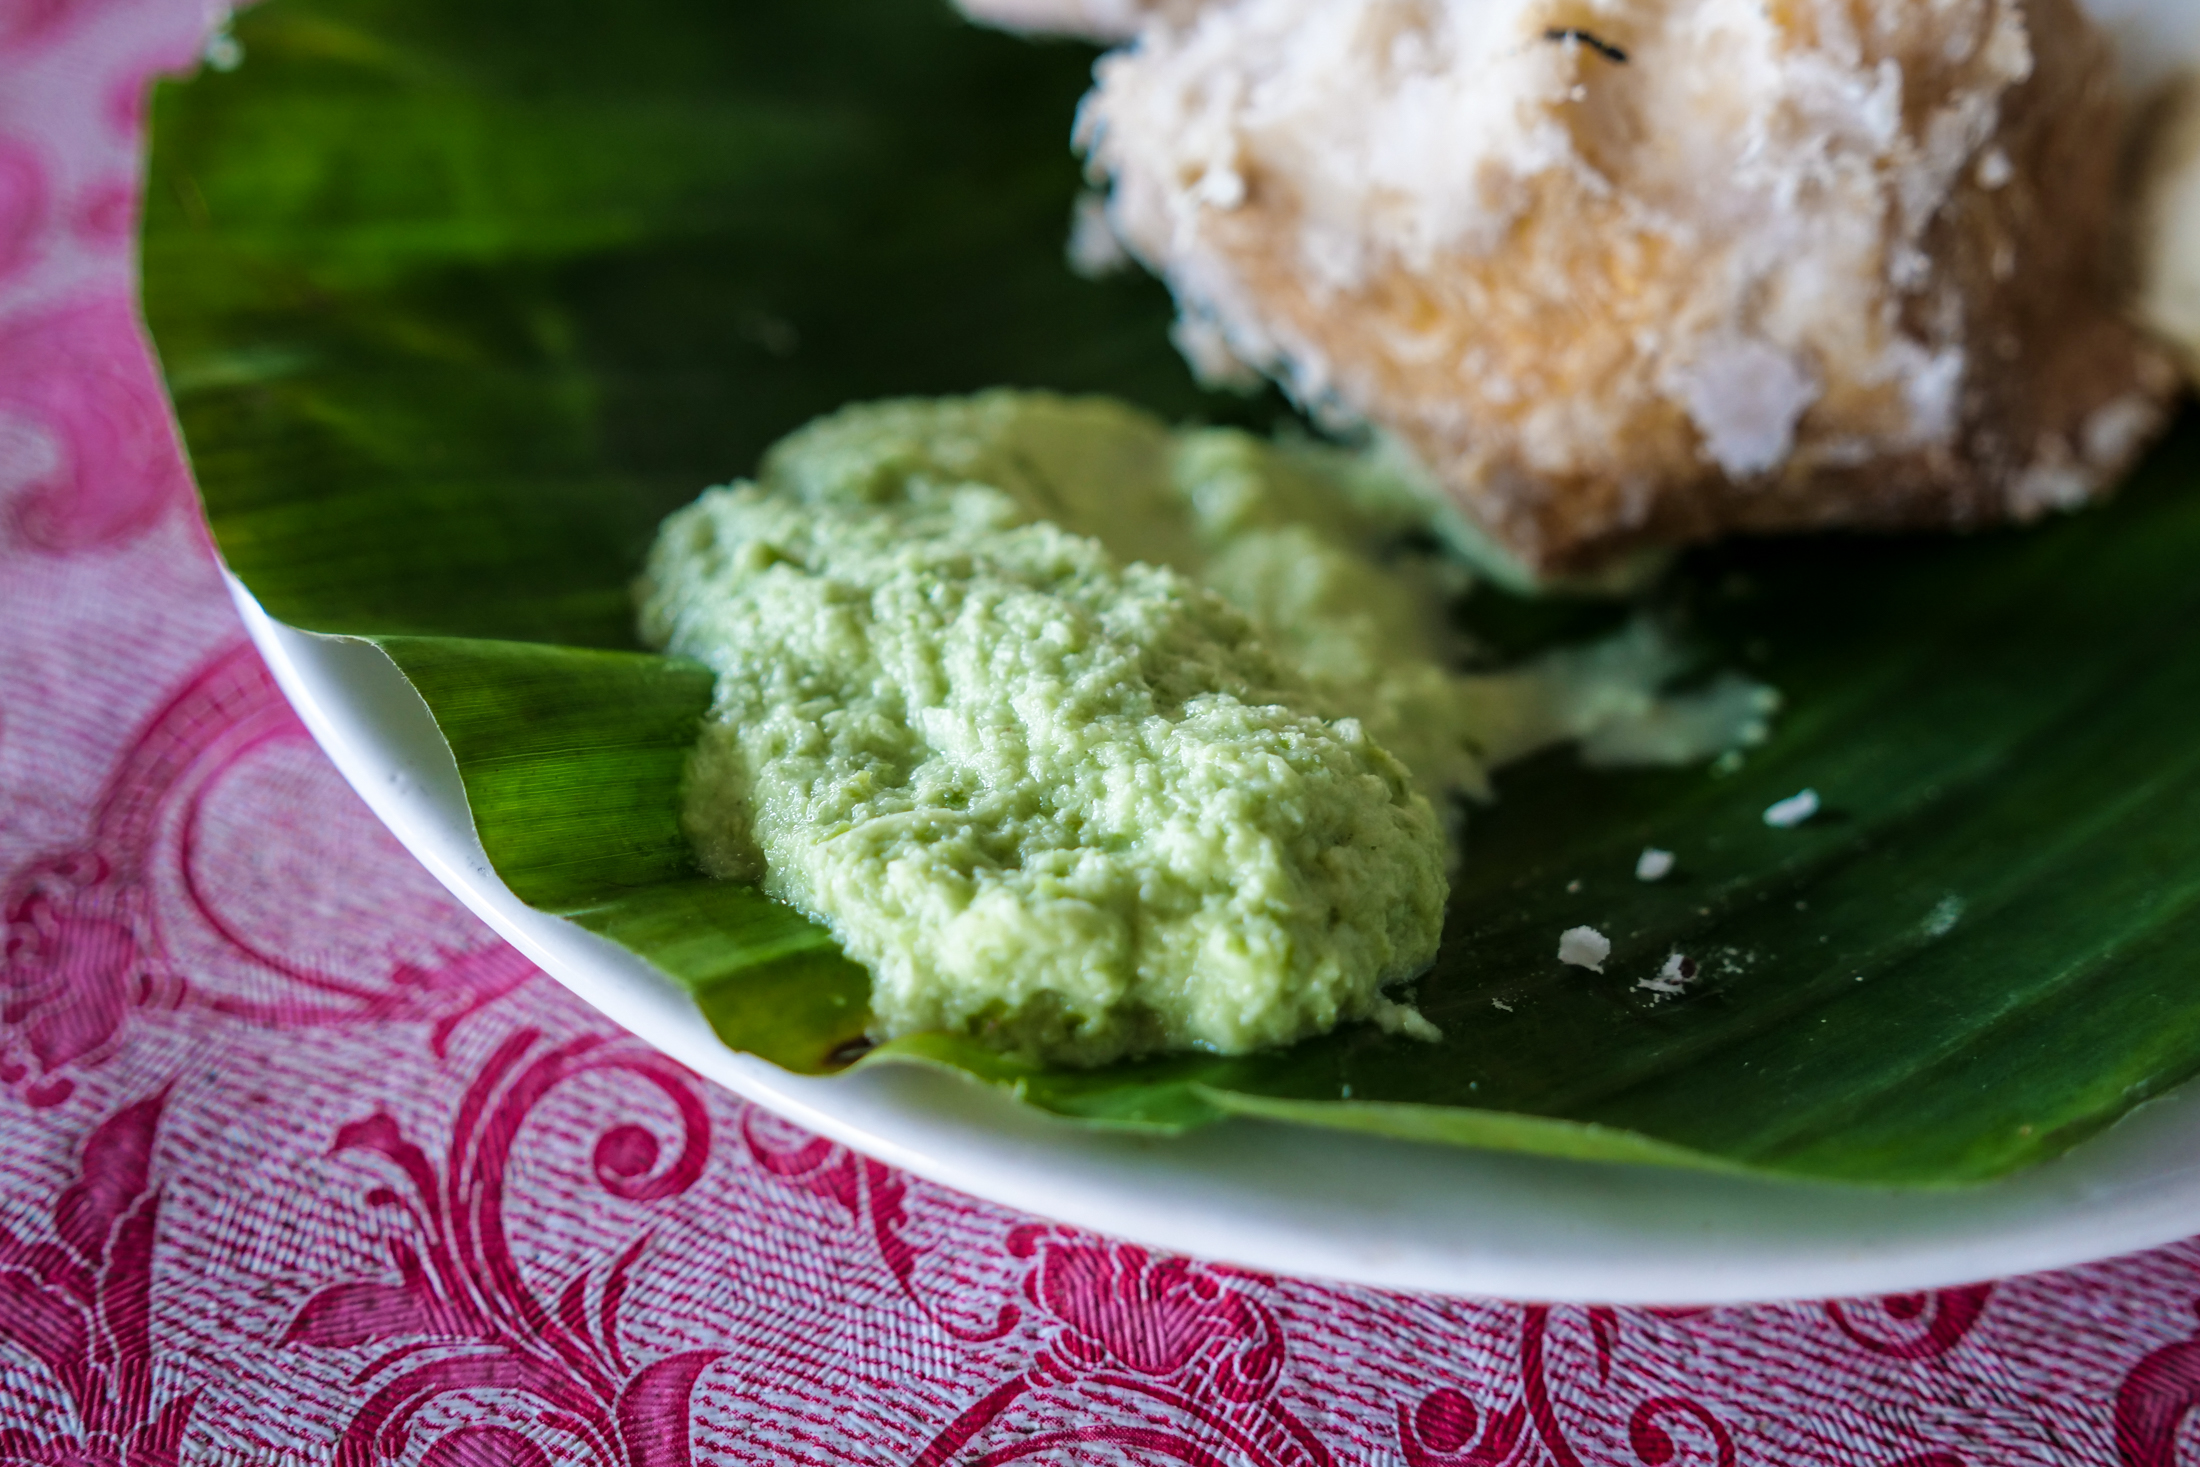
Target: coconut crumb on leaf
(1393, 1017)
(1793, 811)
(1673, 978)
(1584, 947)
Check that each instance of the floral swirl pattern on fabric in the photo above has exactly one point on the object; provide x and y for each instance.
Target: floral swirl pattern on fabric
(77, 381)
(81, 1308)
(460, 1283)
(299, 1164)
(88, 940)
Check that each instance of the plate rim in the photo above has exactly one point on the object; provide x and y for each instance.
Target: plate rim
(1297, 1201)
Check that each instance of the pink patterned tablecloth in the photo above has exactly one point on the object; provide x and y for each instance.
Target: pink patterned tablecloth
(298, 1163)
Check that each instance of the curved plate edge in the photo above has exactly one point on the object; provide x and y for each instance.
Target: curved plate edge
(1276, 1198)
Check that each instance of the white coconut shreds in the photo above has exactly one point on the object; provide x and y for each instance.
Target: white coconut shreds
(1793, 811)
(1584, 947)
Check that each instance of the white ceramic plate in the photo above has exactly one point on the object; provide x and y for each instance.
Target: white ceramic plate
(1286, 1199)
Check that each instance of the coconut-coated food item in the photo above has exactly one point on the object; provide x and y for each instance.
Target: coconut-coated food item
(1626, 272)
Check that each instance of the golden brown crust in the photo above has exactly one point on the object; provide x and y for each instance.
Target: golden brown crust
(1538, 377)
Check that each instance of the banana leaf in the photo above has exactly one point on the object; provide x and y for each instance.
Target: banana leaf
(456, 300)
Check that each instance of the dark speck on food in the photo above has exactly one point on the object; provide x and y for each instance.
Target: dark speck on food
(1576, 34)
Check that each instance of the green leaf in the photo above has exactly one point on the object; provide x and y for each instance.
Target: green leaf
(571, 760)
(456, 301)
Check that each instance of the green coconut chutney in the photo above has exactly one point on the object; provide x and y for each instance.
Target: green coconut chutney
(1096, 738)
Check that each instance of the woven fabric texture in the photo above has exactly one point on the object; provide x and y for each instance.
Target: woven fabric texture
(298, 1163)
